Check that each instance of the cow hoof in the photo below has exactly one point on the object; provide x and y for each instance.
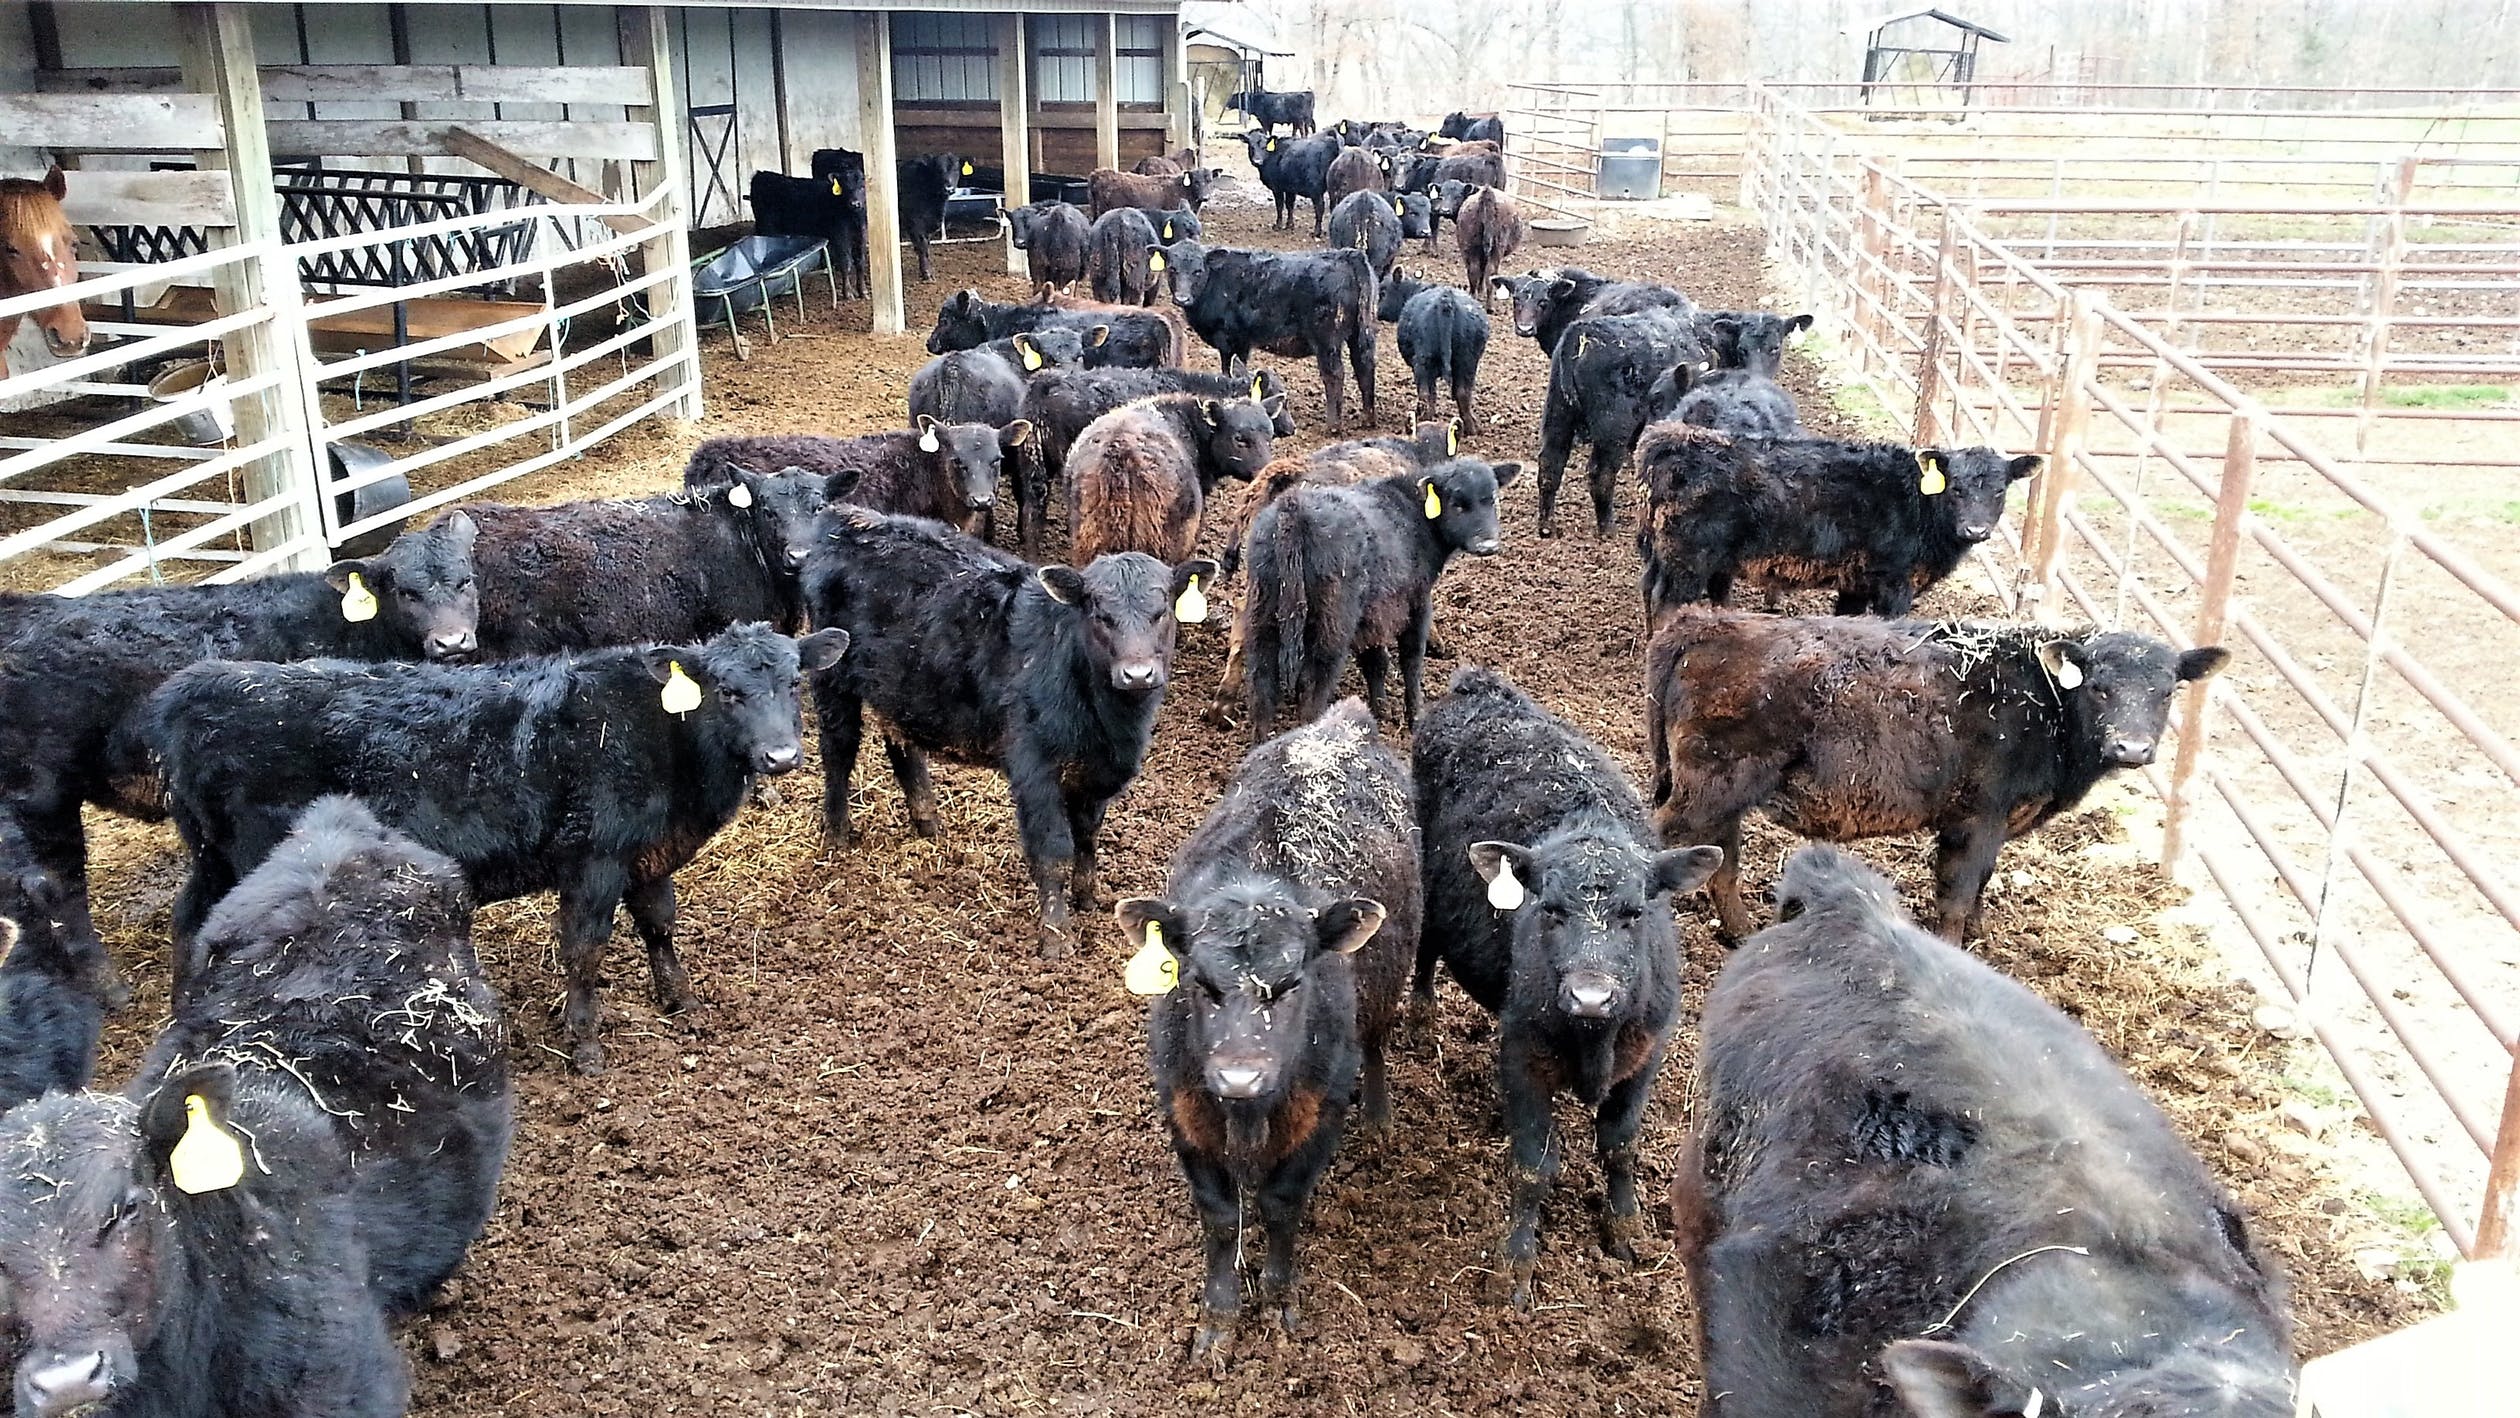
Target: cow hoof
(1289, 1321)
(1053, 944)
(1619, 1235)
(1219, 717)
(1515, 1278)
(1214, 1344)
(587, 1059)
(1548, 529)
(927, 826)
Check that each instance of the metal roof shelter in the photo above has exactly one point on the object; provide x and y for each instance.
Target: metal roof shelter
(1908, 48)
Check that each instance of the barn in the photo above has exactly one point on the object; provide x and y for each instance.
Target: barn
(469, 191)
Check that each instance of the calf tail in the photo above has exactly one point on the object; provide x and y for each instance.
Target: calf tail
(1280, 599)
(1657, 729)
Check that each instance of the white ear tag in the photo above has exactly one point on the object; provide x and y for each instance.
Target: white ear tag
(358, 603)
(739, 496)
(927, 439)
(682, 692)
(2068, 674)
(2031, 1407)
(1190, 607)
(1505, 890)
(1152, 971)
(206, 1158)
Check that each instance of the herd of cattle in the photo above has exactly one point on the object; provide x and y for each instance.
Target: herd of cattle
(1911, 1185)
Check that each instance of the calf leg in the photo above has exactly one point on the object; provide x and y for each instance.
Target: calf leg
(1413, 638)
(585, 925)
(1085, 820)
(1683, 822)
(910, 770)
(1424, 408)
(1615, 1125)
(1603, 476)
(1041, 817)
(1963, 860)
(1333, 383)
(1281, 1205)
(1220, 1223)
(1374, 663)
(651, 906)
(212, 877)
(1557, 444)
(1527, 1078)
(1229, 685)
(838, 714)
(1464, 384)
(1361, 355)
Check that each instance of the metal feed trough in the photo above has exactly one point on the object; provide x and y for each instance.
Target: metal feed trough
(752, 273)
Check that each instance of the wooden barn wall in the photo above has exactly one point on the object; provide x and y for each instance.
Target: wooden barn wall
(732, 56)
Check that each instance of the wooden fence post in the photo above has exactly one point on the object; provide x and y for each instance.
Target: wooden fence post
(2070, 417)
(2498, 1227)
(1872, 281)
(1929, 364)
(674, 332)
(883, 176)
(2222, 561)
(1014, 141)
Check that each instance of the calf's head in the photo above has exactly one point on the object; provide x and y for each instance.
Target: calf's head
(419, 589)
(967, 457)
(1446, 198)
(2116, 688)
(1966, 486)
(1237, 435)
(1590, 908)
(962, 323)
(1249, 957)
(1416, 213)
(1058, 347)
(1663, 396)
(96, 1201)
(1533, 296)
(1944, 1379)
(1258, 145)
(1270, 392)
(738, 690)
(1749, 339)
(1123, 604)
(1459, 498)
(778, 510)
(1186, 267)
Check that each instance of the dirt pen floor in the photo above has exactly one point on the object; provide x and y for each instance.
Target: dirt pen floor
(899, 1165)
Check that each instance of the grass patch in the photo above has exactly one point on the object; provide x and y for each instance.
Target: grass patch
(2429, 396)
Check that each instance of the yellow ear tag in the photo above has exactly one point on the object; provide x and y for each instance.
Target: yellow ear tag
(1452, 438)
(1032, 357)
(739, 496)
(358, 603)
(1582, 342)
(966, 169)
(2068, 674)
(1434, 504)
(1190, 607)
(1152, 971)
(1155, 260)
(682, 692)
(1168, 231)
(1255, 389)
(1929, 474)
(206, 1158)
(1505, 890)
(927, 439)
(1272, 145)
(835, 187)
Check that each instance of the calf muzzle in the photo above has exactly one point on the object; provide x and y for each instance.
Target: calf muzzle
(1138, 676)
(57, 1385)
(1589, 994)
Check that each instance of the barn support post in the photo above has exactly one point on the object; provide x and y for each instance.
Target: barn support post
(673, 325)
(1014, 143)
(2213, 611)
(219, 60)
(2498, 1227)
(1176, 90)
(1107, 91)
(883, 177)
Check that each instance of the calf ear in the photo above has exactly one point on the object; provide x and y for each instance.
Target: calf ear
(1097, 336)
(1063, 583)
(1343, 926)
(1275, 404)
(1797, 324)
(1561, 288)
(1213, 412)
(56, 182)
(661, 659)
(1016, 434)
(2063, 660)
(1685, 868)
(339, 573)
(1136, 913)
(459, 525)
(187, 1138)
(821, 650)
(1490, 858)
(1936, 1379)
(1198, 566)
(1507, 472)
(2203, 662)
(2023, 467)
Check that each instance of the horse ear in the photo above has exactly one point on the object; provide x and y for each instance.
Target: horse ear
(57, 182)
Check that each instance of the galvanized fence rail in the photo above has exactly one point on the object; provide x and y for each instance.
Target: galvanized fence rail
(2351, 796)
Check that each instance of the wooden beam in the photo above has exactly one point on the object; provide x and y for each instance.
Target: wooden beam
(105, 197)
(219, 61)
(1107, 91)
(394, 138)
(1176, 89)
(1014, 143)
(644, 38)
(112, 123)
(533, 177)
(883, 177)
(386, 83)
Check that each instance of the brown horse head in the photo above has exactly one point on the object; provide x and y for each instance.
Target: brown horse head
(39, 251)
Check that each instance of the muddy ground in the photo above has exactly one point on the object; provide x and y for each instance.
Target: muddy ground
(899, 1165)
